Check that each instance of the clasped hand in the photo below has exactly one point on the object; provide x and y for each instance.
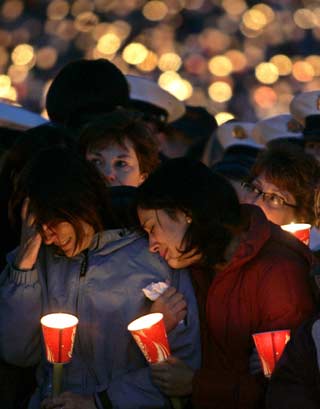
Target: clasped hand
(173, 307)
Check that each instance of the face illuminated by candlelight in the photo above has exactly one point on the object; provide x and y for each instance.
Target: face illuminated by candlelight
(166, 235)
(278, 205)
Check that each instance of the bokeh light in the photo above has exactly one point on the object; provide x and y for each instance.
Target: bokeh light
(302, 71)
(243, 58)
(135, 53)
(283, 64)
(265, 97)
(169, 62)
(108, 43)
(267, 73)
(220, 65)
(155, 10)
(220, 91)
(23, 54)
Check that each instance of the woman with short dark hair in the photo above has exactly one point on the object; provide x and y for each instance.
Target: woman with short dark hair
(248, 274)
(121, 146)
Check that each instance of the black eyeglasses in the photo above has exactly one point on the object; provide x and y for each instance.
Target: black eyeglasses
(271, 199)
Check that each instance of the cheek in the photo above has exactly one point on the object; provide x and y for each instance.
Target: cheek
(281, 216)
(131, 178)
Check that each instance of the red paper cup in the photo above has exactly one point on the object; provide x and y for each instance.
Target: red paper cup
(150, 335)
(300, 230)
(270, 346)
(59, 331)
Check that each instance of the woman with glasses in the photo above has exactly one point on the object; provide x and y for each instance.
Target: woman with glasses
(249, 276)
(282, 183)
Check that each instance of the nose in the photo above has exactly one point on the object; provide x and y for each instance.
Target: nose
(153, 245)
(48, 235)
(109, 174)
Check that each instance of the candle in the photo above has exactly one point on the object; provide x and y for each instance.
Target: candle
(300, 230)
(58, 332)
(270, 346)
(150, 335)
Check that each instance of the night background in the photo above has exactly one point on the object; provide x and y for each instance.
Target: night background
(236, 58)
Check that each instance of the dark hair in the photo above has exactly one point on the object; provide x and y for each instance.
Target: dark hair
(25, 147)
(115, 128)
(291, 169)
(182, 184)
(63, 186)
(84, 88)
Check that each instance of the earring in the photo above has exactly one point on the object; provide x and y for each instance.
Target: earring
(188, 219)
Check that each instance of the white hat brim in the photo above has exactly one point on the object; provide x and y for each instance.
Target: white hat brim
(18, 117)
(145, 90)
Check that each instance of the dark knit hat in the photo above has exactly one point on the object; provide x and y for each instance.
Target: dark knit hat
(85, 88)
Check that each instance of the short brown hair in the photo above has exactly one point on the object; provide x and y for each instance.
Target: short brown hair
(115, 128)
(290, 168)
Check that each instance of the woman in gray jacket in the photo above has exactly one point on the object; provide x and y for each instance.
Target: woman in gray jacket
(71, 259)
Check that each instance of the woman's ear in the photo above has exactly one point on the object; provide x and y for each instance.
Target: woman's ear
(143, 177)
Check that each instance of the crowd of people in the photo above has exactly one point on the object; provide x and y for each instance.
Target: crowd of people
(125, 187)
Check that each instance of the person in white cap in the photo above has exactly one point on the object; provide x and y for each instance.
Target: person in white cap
(305, 104)
(14, 116)
(158, 106)
(279, 127)
(239, 152)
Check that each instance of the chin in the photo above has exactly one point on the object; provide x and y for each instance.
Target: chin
(176, 264)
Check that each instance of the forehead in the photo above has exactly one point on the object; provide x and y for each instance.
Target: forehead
(146, 214)
(113, 148)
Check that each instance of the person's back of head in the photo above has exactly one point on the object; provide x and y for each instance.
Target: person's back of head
(84, 89)
(63, 186)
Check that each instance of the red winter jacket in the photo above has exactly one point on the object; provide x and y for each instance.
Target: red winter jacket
(265, 286)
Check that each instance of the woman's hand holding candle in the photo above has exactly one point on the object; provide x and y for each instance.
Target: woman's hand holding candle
(173, 377)
(173, 307)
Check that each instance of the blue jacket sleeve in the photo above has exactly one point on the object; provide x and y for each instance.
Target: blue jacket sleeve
(20, 312)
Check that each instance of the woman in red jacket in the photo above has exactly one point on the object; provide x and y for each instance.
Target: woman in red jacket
(249, 276)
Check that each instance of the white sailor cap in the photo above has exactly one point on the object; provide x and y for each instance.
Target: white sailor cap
(275, 127)
(305, 104)
(236, 133)
(149, 92)
(14, 116)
